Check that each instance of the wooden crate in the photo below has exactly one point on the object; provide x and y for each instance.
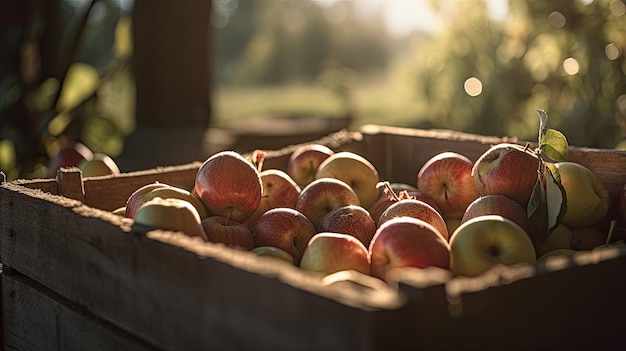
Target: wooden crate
(77, 277)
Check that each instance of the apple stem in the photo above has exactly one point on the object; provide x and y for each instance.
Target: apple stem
(388, 190)
(258, 157)
(611, 228)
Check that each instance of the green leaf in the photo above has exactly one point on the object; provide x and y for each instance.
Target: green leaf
(555, 199)
(554, 145)
(536, 198)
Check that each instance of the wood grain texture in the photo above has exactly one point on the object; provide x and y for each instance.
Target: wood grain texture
(172, 290)
(179, 293)
(37, 319)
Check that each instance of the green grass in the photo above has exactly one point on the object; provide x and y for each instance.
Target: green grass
(377, 101)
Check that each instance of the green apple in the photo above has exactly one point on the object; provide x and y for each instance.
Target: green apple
(587, 197)
(485, 241)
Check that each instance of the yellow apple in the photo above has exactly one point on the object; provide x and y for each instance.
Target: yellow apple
(170, 214)
(354, 170)
(485, 241)
(274, 253)
(99, 165)
(587, 197)
(560, 237)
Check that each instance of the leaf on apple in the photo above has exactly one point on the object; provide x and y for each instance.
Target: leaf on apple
(537, 212)
(552, 143)
(555, 199)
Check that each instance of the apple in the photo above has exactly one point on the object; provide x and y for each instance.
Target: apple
(279, 190)
(560, 237)
(485, 241)
(452, 222)
(229, 186)
(304, 161)
(621, 203)
(587, 197)
(354, 170)
(556, 252)
(393, 192)
(69, 154)
(350, 219)
(507, 169)
(447, 179)
(233, 234)
(322, 196)
(398, 187)
(275, 253)
(170, 214)
(328, 253)
(120, 211)
(416, 209)
(99, 165)
(135, 199)
(498, 205)
(407, 242)
(284, 228)
(588, 238)
(149, 192)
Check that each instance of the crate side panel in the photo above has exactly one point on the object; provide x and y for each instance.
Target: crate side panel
(37, 320)
(111, 192)
(173, 297)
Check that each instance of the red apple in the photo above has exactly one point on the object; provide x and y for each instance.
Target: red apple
(233, 234)
(447, 179)
(70, 154)
(279, 190)
(170, 214)
(284, 228)
(304, 161)
(99, 165)
(507, 169)
(150, 191)
(136, 198)
(497, 205)
(229, 186)
(322, 196)
(329, 253)
(392, 193)
(350, 219)
(407, 242)
(416, 209)
(354, 170)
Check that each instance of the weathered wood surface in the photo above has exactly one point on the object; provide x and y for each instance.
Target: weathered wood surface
(179, 293)
(37, 319)
(172, 290)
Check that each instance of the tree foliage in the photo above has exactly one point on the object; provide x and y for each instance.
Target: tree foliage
(562, 56)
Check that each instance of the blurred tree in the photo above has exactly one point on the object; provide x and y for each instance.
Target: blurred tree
(278, 41)
(563, 56)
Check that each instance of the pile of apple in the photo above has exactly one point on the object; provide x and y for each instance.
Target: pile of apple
(330, 211)
(76, 154)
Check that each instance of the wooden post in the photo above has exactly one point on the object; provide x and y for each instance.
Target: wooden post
(172, 60)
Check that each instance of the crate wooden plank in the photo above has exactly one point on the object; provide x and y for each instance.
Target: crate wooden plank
(172, 290)
(178, 293)
(565, 302)
(36, 319)
(399, 153)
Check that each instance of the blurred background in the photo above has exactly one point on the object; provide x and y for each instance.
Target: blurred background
(157, 82)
